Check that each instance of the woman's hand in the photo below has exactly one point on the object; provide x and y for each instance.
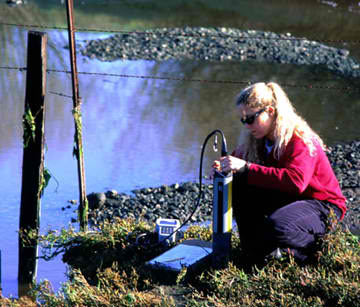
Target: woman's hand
(227, 164)
(215, 166)
(230, 163)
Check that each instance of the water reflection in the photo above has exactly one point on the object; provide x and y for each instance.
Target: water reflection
(146, 132)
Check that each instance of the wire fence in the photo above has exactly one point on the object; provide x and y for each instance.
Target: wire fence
(163, 78)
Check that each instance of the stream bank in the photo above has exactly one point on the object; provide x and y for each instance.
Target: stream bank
(179, 199)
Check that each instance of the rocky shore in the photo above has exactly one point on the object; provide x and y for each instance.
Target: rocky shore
(221, 44)
(179, 200)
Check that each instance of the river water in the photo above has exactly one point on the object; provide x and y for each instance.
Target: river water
(147, 132)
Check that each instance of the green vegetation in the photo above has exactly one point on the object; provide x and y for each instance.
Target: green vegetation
(29, 127)
(108, 270)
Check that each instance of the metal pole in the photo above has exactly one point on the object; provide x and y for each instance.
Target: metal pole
(78, 150)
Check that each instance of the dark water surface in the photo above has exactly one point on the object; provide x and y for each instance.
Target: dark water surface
(146, 132)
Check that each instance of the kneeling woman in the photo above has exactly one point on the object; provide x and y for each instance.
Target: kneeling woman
(284, 186)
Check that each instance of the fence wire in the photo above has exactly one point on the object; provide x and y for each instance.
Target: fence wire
(163, 78)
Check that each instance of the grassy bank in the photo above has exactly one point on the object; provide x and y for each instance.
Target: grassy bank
(108, 270)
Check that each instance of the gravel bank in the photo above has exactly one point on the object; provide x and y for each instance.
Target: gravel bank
(345, 160)
(179, 200)
(220, 44)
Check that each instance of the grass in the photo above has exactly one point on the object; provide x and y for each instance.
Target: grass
(107, 269)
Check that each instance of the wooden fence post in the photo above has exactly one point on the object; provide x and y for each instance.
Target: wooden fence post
(78, 150)
(33, 157)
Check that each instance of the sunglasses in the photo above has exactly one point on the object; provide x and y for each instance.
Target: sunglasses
(250, 119)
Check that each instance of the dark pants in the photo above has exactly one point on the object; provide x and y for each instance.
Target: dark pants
(269, 219)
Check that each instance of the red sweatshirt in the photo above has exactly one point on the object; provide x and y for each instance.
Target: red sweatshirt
(300, 173)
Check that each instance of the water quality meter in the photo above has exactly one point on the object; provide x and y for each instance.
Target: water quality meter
(166, 229)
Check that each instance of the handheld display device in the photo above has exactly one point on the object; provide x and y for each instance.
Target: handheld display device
(165, 227)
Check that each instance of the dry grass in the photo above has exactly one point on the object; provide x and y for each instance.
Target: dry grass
(108, 270)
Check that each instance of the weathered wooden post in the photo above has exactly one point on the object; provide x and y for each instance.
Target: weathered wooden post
(33, 157)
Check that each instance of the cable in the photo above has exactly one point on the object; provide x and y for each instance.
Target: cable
(223, 153)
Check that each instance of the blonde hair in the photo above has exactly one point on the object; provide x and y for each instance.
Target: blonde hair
(287, 121)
